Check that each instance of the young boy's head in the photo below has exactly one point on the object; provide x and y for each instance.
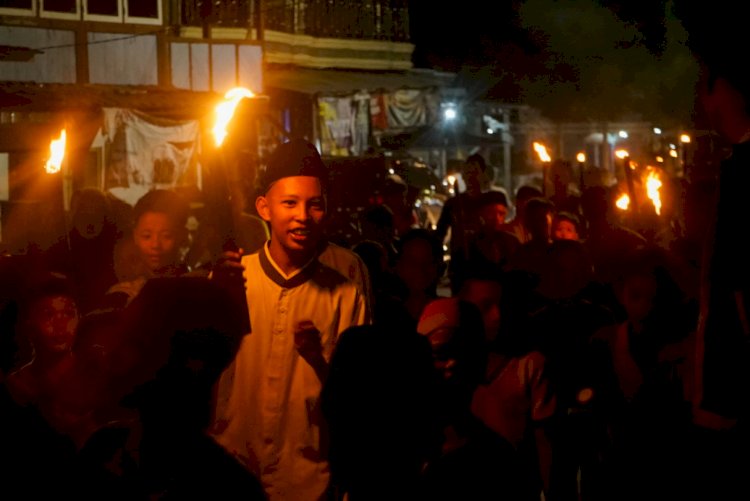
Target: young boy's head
(454, 329)
(50, 313)
(292, 200)
(493, 209)
(566, 226)
(160, 218)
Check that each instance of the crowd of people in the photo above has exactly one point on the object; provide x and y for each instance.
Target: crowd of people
(572, 355)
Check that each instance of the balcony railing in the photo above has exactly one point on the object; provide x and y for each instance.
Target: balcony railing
(221, 13)
(356, 19)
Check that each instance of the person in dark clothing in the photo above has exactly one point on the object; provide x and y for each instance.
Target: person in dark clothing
(176, 338)
(86, 254)
(379, 400)
(460, 214)
(473, 462)
(722, 397)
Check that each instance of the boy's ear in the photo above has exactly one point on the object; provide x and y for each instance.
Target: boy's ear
(261, 205)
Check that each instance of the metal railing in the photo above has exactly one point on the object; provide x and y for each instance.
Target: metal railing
(355, 19)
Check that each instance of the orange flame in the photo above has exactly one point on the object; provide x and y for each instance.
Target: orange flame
(621, 154)
(225, 112)
(541, 150)
(56, 154)
(623, 202)
(653, 184)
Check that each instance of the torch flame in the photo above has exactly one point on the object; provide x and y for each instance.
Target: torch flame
(56, 154)
(653, 184)
(225, 111)
(684, 138)
(623, 202)
(541, 150)
(581, 157)
(621, 154)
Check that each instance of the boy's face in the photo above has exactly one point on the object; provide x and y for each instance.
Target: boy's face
(416, 265)
(493, 216)
(638, 296)
(565, 230)
(294, 207)
(54, 323)
(157, 240)
(444, 357)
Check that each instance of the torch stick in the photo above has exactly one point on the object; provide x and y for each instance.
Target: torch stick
(227, 201)
(625, 158)
(581, 157)
(57, 166)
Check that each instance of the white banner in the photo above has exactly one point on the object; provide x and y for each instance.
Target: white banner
(143, 155)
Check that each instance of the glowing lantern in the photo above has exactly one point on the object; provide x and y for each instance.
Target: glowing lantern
(56, 154)
(225, 112)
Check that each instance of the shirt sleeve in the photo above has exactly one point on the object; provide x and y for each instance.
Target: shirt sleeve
(543, 401)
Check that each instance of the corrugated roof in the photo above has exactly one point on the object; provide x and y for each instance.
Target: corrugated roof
(330, 82)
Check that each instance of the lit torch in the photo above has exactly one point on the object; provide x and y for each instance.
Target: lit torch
(581, 157)
(653, 184)
(623, 202)
(541, 150)
(685, 140)
(228, 199)
(56, 154)
(628, 170)
(225, 112)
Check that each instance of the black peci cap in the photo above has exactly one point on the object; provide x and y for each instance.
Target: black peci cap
(294, 158)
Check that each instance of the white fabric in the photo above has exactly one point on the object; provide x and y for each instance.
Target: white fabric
(152, 156)
(516, 397)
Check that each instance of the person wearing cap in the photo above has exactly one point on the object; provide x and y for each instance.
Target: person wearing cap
(473, 461)
(267, 411)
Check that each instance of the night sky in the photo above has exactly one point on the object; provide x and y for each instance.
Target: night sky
(576, 60)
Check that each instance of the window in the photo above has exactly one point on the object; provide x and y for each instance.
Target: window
(129, 11)
(60, 9)
(18, 7)
(143, 11)
(102, 10)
